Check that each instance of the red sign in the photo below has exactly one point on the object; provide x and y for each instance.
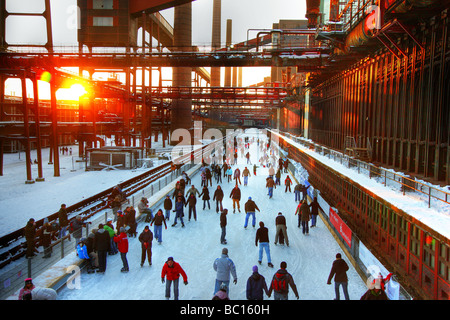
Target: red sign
(341, 227)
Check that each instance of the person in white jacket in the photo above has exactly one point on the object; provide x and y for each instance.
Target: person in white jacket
(224, 266)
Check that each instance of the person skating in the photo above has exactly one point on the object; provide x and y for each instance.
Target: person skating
(122, 245)
(192, 201)
(246, 174)
(303, 216)
(172, 270)
(158, 220)
(218, 197)
(262, 235)
(167, 207)
(270, 184)
(224, 266)
(235, 195)
(250, 207)
(280, 223)
(146, 238)
(192, 190)
(205, 197)
(237, 176)
(339, 272)
(223, 226)
(179, 205)
(281, 282)
(297, 191)
(287, 183)
(256, 286)
(315, 206)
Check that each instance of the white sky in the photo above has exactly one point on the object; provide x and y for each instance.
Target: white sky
(245, 15)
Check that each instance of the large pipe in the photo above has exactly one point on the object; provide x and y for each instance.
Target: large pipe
(312, 12)
(216, 39)
(181, 115)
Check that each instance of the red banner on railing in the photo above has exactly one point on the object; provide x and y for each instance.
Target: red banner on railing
(341, 227)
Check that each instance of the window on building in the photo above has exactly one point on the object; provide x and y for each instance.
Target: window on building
(102, 4)
(103, 21)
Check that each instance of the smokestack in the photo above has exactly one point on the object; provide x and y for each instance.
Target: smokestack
(216, 39)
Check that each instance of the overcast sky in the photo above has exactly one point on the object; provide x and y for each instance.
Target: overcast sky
(245, 15)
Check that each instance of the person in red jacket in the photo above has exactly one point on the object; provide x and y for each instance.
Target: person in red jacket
(172, 270)
(122, 244)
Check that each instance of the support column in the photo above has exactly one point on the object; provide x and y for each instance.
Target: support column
(216, 39)
(181, 116)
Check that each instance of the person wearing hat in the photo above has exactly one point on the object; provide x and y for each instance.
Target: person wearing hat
(27, 288)
(172, 270)
(246, 174)
(222, 293)
(250, 207)
(280, 284)
(339, 272)
(224, 266)
(122, 245)
(256, 286)
(223, 226)
(146, 238)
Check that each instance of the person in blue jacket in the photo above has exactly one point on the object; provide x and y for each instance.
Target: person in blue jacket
(179, 205)
(256, 286)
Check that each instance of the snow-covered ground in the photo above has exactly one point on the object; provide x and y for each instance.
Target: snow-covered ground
(197, 245)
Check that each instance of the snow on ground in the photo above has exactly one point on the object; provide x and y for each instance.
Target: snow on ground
(20, 201)
(197, 245)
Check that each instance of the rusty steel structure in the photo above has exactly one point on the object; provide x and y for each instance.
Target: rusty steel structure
(387, 85)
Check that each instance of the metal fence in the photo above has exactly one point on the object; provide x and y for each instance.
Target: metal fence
(435, 197)
(13, 275)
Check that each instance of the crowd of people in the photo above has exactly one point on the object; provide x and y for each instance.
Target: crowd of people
(112, 238)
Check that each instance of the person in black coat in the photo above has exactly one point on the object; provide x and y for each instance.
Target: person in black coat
(218, 197)
(192, 201)
(256, 286)
(262, 235)
(63, 220)
(102, 245)
(223, 226)
(167, 207)
(146, 238)
(205, 197)
(315, 206)
(30, 234)
(235, 195)
(339, 271)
